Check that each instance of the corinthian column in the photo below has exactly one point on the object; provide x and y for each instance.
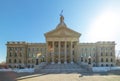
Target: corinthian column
(65, 62)
(53, 52)
(71, 54)
(59, 46)
(47, 51)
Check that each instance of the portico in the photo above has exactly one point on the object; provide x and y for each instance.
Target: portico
(60, 44)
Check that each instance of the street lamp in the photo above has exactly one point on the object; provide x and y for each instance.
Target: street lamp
(37, 56)
(89, 60)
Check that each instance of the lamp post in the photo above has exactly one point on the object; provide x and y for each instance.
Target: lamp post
(89, 60)
(89, 64)
(37, 56)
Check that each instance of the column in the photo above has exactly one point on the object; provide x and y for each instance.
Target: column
(53, 53)
(65, 62)
(46, 51)
(71, 53)
(59, 46)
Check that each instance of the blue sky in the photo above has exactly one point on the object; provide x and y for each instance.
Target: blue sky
(28, 20)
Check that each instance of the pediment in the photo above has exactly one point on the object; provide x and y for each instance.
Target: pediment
(62, 32)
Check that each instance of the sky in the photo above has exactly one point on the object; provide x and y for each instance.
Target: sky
(28, 20)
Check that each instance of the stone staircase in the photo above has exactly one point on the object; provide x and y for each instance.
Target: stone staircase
(62, 68)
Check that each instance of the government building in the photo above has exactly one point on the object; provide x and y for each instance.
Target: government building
(62, 47)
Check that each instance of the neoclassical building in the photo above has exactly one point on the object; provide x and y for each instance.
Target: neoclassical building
(62, 46)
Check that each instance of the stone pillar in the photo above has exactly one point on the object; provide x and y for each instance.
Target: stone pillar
(53, 52)
(65, 62)
(71, 53)
(46, 51)
(59, 46)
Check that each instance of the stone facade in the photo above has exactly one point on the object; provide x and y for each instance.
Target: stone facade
(62, 46)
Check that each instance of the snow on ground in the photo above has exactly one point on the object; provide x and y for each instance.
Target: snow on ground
(6, 69)
(104, 69)
(30, 70)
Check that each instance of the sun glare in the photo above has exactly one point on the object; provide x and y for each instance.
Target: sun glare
(105, 27)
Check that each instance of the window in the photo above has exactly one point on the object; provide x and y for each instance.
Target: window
(106, 65)
(73, 46)
(56, 45)
(28, 61)
(81, 59)
(67, 46)
(106, 59)
(19, 61)
(101, 59)
(15, 61)
(9, 60)
(111, 60)
(28, 49)
(111, 64)
(10, 54)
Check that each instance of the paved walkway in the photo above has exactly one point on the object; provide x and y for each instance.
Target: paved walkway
(69, 77)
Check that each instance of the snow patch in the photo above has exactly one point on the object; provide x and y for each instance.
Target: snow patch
(104, 69)
(29, 70)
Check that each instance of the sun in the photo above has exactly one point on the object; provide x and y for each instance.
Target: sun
(105, 27)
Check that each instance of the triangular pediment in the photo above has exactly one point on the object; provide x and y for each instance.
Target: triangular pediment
(62, 32)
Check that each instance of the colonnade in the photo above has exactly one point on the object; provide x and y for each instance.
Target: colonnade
(51, 50)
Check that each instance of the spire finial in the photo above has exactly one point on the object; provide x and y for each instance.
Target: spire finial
(61, 17)
(61, 12)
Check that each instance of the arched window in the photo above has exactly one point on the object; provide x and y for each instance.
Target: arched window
(101, 59)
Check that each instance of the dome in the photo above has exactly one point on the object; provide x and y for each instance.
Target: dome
(61, 24)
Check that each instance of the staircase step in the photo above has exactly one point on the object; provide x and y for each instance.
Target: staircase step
(58, 68)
